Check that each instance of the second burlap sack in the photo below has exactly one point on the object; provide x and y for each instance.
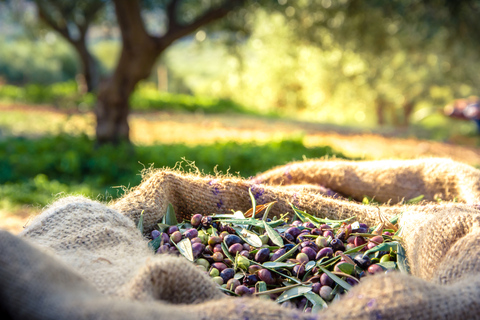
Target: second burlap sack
(98, 251)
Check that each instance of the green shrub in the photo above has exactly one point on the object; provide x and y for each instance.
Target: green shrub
(48, 165)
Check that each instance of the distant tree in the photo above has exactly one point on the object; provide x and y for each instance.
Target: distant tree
(140, 50)
(72, 19)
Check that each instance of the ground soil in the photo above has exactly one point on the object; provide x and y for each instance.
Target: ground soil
(165, 127)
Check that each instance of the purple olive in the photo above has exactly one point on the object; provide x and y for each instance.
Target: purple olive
(196, 240)
(337, 245)
(325, 227)
(155, 234)
(234, 248)
(242, 290)
(164, 248)
(197, 249)
(375, 268)
(246, 246)
(165, 238)
(309, 252)
(328, 233)
(253, 269)
(191, 233)
(358, 241)
(250, 280)
(375, 241)
(325, 252)
(316, 287)
(351, 282)
(232, 239)
(172, 229)
(232, 284)
(245, 253)
(311, 244)
(317, 232)
(219, 265)
(262, 255)
(266, 276)
(325, 280)
(297, 223)
(293, 231)
(277, 254)
(288, 237)
(309, 225)
(206, 221)
(227, 274)
(298, 270)
(362, 261)
(218, 248)
(302, 303)
(196, 220)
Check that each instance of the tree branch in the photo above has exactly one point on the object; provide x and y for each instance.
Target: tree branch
(130, 21)
(171, 14)
(178, 31)
(63, 30)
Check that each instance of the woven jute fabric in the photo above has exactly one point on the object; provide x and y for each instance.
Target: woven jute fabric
(81, 259)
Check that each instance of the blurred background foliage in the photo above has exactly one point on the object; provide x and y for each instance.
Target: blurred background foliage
(366, 64)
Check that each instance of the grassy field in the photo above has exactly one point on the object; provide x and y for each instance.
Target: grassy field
(44, 156)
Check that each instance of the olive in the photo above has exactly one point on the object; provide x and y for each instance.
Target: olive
(277, 254)
(155, 234)
(219, 265)
(321, 242)
(288, 246)
(325, 252)
(325, 227)
(218, 280)
(250, 280)
(293, 231)
(232, 284)
(217, 248)
(362, 261)
(288, 237)
(176, 237)
(297, 223)
(165, 248)
(325, 280)
(266, 276)
(298, 270)
(213, 240)
(165, 238)
(302, 303)
(326, 293)
(227, 274)
(337, 245)
(197, 249)
(206, 221)
(191, 233)
(217, 256)
(172, 229)
(358, 241)
(196, 240)
(309, 225)
(310, 253)
(231, 239)
(316, 287)
(302, 257)
(375, 268)
(328, 233)
(262, 255)
(234, 248)
(214, 273)
(317, 232)
(196, 220)
(253, 269)
(245, 253)
(224, 234)
(242, 290)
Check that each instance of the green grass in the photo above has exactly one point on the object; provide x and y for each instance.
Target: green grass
(34, 171)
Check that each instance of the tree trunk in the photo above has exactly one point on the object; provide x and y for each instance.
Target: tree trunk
(112, 107)
(408, 107)
(89, 65)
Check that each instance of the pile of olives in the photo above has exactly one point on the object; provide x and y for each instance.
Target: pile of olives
(305, 263)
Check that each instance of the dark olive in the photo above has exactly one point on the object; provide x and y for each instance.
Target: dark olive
(227, 274)
(262, 255)
(231, 239)
(266, 276)
(196, 220)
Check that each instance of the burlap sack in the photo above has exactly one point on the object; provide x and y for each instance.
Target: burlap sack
(81, 259)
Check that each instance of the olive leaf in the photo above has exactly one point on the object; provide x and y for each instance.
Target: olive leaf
(317, 302)
(249, 237)
(140, 223)
(155, 243)
(335, 278)
(225, 250)
(402, 259)
(415, 200)
(288, 254)
(273, 264)
(169, 218)
(185, 248)
(388, 265)
(273, 235)
(382, 247)
(293, 293)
